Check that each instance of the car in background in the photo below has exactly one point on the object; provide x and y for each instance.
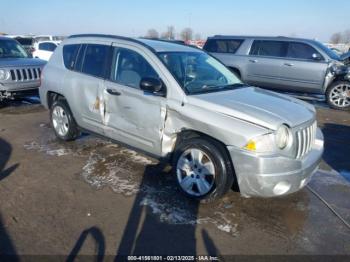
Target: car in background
(19, 74)
(26, 41)
(44, 49)
(285, 64)
(179, 104)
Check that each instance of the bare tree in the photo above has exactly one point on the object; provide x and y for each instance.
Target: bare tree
(169, 33)
(336, 38)
(187, 34)
(152, 33)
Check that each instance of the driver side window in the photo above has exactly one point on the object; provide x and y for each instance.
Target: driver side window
(129, 67)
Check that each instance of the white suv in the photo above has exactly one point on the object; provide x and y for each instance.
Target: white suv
(44, 50)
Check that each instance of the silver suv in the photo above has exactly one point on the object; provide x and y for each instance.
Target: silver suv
(286, 64)
(19, 74)
(177, 103)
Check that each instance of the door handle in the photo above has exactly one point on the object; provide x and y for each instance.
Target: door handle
(253, 60)
(113, 92)
(288, 64)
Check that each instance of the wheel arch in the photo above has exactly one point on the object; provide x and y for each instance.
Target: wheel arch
(52, 97)
(187, 134)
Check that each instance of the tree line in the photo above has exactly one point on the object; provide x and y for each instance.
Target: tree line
(185, 34)
(341, 37)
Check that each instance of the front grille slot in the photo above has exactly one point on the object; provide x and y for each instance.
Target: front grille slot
(305, 139)
(25, 74)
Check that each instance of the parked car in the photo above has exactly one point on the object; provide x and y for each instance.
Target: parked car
(27, 42)
(19, 74)
(179, 104)
(44, 50)
(285, 64)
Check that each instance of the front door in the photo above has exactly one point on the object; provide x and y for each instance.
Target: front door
(133, 116)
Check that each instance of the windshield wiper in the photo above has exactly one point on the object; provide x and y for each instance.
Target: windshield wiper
(214, 88)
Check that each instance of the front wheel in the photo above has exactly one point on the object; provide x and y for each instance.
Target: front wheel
(63, 122)
(203, 170)
(338, 95)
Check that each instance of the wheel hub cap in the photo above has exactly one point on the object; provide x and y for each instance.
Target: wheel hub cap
(60, 121)
(195, 172)
(340, 95)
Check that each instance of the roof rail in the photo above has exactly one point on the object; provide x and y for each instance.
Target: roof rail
(114, 37)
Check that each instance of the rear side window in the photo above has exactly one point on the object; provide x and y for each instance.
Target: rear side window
(47, 47)
(301, 51)
(222, 45)
(95, 60)
(268, 48)
(69, 55)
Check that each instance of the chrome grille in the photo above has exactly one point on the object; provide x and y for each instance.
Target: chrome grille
(305, 139)
(25, 74)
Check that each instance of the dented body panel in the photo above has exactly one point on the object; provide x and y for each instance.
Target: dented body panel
(154, 123)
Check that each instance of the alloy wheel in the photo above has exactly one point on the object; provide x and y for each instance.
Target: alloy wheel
(60, 121)
(195, 172)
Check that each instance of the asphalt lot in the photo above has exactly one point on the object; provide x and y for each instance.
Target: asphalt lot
(94, 197)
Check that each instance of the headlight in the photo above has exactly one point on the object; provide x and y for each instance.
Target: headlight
(271, 142)
(282, 137)
(4, 75)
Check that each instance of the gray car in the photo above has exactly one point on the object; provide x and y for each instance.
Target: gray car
(19, 74)
(286, 64)
(177, 103)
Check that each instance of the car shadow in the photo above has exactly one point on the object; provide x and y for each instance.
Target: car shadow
(146, 233)
(7, 248)
(337, 147)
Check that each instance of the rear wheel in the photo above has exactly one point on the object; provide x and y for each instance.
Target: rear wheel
(203, 170)
(63, 122)
(338, 95)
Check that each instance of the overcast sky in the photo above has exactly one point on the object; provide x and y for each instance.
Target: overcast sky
(304, 18)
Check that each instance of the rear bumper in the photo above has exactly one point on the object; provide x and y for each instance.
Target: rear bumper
(269, 176)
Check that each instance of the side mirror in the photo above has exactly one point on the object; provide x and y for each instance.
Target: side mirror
(151, 85)
(317, 57)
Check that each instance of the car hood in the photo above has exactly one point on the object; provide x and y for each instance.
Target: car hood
(16, 62)
(258, 106)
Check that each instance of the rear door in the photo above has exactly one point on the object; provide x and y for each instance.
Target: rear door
(224, 50)
(133, 116)
(264, 63)
(304, 69)
(86, 80)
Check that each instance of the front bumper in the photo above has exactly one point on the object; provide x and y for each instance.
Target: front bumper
(19, 86)
(269, 176)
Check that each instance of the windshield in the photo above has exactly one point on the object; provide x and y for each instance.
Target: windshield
(11, 49)
(333, 55)
(197, 72)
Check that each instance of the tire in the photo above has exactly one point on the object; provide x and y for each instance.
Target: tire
(192, 179)
(63, 121)
(338, 95)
